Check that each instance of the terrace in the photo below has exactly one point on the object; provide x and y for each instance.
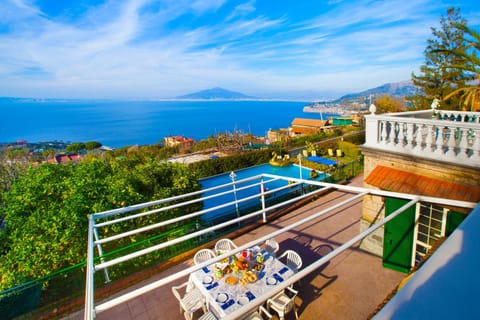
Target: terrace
(325, 231)
(451, 137)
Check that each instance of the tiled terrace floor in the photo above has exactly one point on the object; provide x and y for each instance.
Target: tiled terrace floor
(350, 286)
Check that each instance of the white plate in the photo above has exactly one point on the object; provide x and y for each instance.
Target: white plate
(271, 280)
(222, 297)
(207, 280)
(243, 300)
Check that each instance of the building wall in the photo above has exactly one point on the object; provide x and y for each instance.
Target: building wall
(373, 207)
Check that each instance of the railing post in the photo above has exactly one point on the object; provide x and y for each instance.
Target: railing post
(89, 313)
(262, 199)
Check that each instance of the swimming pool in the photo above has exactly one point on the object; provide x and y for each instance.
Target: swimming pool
(244, 190)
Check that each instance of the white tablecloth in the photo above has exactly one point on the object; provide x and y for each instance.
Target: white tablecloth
(273, 268)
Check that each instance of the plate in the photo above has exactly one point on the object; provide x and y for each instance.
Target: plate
(243, 300)
(221, 298)
(271, 281)
(207, 280)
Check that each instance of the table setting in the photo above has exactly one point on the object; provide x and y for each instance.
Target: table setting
(235, 281)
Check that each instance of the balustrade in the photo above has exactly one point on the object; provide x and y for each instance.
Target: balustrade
(449, 136)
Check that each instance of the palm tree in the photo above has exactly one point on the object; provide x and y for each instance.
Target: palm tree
(469, 94)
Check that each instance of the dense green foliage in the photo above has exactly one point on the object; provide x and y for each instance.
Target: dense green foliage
(440, 75)
(212, 167)
(387, 104)
(46, 209)
(469, 94)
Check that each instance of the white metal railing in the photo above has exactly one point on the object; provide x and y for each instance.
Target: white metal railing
(447, 136)
(357, 193)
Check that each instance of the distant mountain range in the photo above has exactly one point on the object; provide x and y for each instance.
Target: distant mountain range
(396, 89)
(215, 93)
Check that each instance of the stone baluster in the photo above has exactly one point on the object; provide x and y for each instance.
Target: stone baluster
(403, 134)
(448, 139)
(462, 144)
(476, 146)
(412, 136)
(385, 132)
(430, 138)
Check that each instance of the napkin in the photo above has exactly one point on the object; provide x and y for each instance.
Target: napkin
(250, 295)
(213, 285)
(206, 270)
(227, 304)
(283, 270)
(276, 276)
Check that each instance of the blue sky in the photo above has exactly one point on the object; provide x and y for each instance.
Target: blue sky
(161, 49)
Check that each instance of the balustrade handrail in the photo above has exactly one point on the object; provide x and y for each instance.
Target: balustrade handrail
(390, 117)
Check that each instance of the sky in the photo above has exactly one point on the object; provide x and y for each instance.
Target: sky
(147, 49)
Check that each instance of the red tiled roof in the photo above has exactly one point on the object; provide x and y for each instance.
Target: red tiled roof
(391, 179)
(309, 122)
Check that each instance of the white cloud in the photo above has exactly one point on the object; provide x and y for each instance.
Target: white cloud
(159, 49)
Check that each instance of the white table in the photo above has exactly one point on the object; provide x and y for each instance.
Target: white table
(238, 295)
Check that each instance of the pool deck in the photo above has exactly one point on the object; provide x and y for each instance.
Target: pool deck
(350, 286)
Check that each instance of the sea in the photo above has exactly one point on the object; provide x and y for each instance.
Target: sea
(125, 123)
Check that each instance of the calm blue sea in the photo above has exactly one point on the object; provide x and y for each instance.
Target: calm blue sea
(124, 123)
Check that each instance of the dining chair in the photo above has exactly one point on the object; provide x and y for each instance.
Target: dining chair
(224, 245)
(203, 255)
(208, 316)
(260, 314)
(190, 301)
(283, 303)
(272, 246)
(292, 260)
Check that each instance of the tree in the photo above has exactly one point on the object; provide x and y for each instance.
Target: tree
(469, 94)
(92, 145)
(437, 77)
(387, 104)
(75, 147)
(47, 209)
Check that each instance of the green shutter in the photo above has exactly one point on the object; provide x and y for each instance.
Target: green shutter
(398, 236)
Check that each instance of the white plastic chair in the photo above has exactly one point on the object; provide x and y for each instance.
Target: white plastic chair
(190, 301)
(260, 314)
(272, 246)
(224, 245)
(203, 255)
(292, 260)
(208, 316)
(283, 303)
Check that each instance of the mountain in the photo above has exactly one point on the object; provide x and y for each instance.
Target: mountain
(396, 89)
(215, 93)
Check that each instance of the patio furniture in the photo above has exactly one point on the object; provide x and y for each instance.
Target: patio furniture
(292, 260)
(260, 314)
(224, 245)
(208, 316)
(272, 246)
(190, 301)
(203, 255)
(226, 294)
(283, 303)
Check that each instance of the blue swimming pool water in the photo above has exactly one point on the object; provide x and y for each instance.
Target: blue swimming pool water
(244, 190)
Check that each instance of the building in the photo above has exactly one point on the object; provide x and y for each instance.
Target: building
(65, 158)
(430, 153)
(181, 142)
(342, 121)
(304, 126)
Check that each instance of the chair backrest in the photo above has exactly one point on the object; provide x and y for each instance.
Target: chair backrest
(271, 245)
(203, 255)
(289, 305)
(293, 259)
(224, 245)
